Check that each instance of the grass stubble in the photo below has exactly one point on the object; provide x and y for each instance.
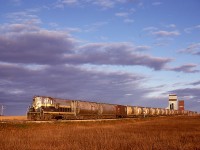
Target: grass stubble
(163, 133)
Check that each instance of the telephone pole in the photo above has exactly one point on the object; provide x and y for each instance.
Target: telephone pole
(2, 108)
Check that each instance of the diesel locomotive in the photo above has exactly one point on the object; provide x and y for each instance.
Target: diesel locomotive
(48, 108)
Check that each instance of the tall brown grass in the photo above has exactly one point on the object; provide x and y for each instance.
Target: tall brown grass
(12, 118)
(165, 133)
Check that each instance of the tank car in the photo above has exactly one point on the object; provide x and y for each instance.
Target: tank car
(162, 111)
(107, 111)
(157, 111)
(171, 112)
(152, 111)
(134, 111)
(86, 110)
(146, 111)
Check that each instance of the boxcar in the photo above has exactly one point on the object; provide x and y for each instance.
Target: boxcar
(121, 111)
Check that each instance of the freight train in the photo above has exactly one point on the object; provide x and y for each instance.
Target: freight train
(48, 108)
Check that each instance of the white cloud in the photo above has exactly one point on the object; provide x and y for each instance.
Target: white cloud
(69, 1)
(171, 26)
(156, 3)
(122, 14)
(105, 3)
(193, 49)
(197, 27)
(128, 94)
(94, 26)
(29, 44)
(73, 29)
(128, 20)
(125, 16)
(187, 68)
(192, 29)
(151, 28)
(63, 3)
(70, 82)
(163, 33)
(24, 17)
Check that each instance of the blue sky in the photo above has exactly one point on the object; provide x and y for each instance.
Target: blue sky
(132, 52)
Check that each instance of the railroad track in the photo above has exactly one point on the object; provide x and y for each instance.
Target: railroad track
(59, 121)
(86, 120)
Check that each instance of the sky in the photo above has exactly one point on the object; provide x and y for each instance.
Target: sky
(130, 52)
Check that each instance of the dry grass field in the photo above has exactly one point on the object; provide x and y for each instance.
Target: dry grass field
(12, 118)
(163, 133)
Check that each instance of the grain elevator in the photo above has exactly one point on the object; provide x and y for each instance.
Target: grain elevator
(174, 103)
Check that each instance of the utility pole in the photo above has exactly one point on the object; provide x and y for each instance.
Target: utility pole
(2, 108)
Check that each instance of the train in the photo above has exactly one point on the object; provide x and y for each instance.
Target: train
(49, 108)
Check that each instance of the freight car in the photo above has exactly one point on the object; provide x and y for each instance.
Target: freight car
(48, 108)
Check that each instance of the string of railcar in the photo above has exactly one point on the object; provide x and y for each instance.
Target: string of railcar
(48, 108)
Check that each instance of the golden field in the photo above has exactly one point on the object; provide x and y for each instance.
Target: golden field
(12, 118)
(162, 133)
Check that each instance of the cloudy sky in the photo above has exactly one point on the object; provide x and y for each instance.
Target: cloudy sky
(132, 52)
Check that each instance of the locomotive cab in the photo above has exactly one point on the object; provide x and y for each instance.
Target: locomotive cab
(42, 103)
